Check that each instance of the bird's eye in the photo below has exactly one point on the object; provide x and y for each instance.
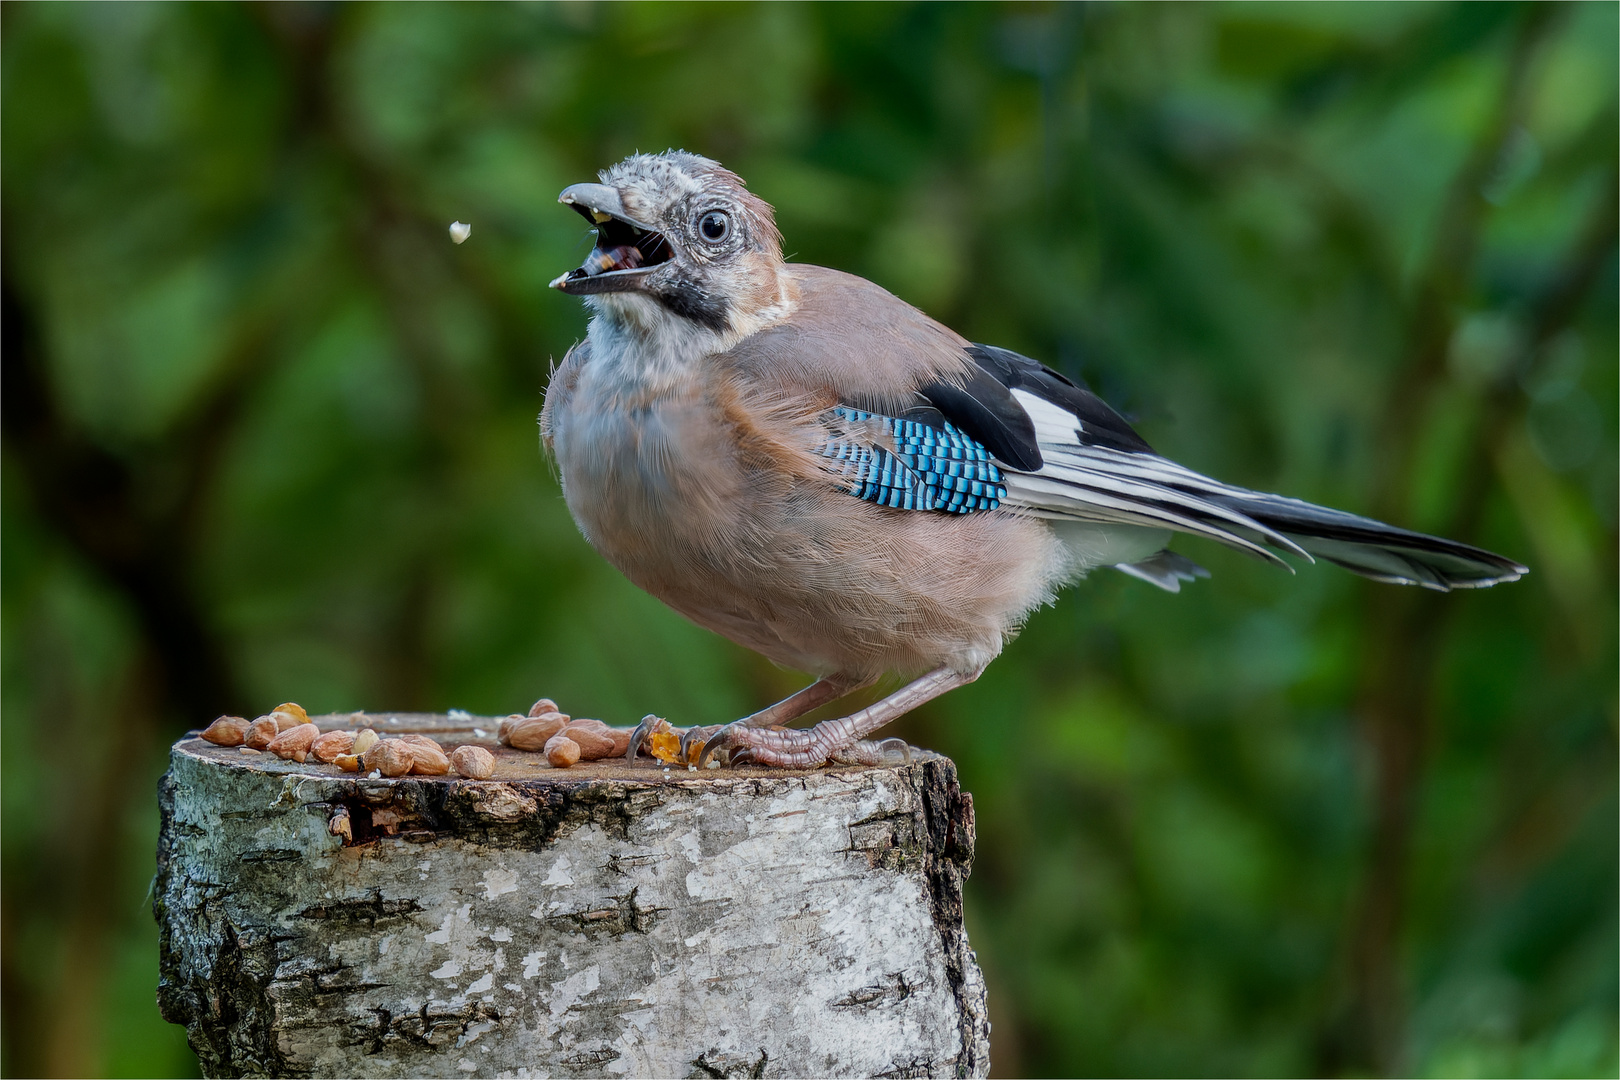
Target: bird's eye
(715, 226)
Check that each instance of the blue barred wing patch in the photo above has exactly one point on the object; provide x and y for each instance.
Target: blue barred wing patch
(927, 468)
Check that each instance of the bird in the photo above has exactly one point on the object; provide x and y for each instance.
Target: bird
(799, 460)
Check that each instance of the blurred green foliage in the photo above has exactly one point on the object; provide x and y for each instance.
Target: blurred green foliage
(270, 436)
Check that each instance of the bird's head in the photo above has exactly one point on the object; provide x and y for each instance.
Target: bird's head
(677, 235)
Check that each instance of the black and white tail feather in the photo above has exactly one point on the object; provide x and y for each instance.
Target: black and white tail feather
(1069, 457)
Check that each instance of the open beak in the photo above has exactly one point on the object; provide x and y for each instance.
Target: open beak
(626, 251)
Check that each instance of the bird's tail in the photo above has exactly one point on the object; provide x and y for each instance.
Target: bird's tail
(1103, 485)
(1371, 548)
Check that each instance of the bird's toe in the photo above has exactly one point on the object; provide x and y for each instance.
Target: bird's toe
(696, 736)
(724, 741)
(885, 752)
(638, 737)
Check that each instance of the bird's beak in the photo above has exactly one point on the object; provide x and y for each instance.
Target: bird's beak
(597, 202)
(626, 250)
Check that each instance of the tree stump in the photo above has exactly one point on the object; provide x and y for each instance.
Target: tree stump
(611, 919)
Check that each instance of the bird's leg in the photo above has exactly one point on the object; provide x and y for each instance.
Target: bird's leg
(791, 749)
(809, 699)
(788, 709)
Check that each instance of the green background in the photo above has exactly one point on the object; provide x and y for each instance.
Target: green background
(270, 436)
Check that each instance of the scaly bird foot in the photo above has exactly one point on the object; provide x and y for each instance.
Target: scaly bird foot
(784, 748)
(789, 748)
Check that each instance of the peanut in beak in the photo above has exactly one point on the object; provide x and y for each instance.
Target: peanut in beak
(623, 257)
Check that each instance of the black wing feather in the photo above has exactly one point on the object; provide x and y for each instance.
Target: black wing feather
(1100, 425)
(984, 407)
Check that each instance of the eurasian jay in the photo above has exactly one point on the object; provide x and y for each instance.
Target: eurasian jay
(797, 459)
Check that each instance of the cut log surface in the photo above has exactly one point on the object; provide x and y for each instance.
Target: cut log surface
(610, 919)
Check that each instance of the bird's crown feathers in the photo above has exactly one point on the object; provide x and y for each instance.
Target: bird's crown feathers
(676, 185)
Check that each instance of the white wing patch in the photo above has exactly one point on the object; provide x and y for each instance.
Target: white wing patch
(1053, 423)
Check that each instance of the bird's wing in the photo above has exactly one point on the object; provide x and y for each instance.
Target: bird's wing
(913, 462)
(1068, 456)
(1008, 432)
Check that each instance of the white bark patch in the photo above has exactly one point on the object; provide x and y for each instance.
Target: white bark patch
(499, 882)
(559, 871)
(567, 994)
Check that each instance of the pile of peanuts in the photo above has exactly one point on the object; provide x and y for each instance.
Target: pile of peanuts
(564, 741)
(287, 733)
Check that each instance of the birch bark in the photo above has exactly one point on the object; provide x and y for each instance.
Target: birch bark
(604, 920)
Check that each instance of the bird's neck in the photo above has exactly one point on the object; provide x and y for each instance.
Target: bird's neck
(641, 344)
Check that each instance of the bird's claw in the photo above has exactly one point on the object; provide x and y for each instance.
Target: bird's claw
(696, 734)
(638, 737)
(895, 747)
(723, 741)
(885, 752)
(730, 745)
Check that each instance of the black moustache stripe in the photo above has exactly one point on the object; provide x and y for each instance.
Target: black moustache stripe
(690, 302)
